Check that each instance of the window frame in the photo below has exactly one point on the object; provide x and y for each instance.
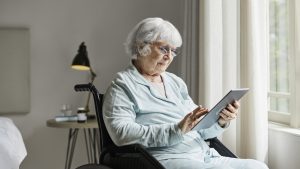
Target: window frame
(293, 118)
(295, 64)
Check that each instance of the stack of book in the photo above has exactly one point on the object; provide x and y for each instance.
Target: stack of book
(61, 118)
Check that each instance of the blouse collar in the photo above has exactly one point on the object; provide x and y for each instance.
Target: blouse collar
(139, 78)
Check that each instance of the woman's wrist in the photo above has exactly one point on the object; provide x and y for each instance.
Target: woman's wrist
(224, 124)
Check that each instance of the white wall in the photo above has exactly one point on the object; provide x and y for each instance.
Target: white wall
(284, 150)
(56, 29)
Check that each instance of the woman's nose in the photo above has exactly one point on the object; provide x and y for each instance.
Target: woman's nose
(167, 56)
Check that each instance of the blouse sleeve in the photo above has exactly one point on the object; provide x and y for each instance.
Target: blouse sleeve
(215, 130)
(119, 117)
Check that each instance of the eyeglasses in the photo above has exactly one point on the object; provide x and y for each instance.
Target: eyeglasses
(165, 50)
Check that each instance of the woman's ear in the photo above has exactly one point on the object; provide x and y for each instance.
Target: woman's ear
(144, 50)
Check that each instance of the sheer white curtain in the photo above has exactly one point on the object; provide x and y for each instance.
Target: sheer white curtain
(190, 51)
(218, 62)
(210, 52)
(254, 74)
(223, 64)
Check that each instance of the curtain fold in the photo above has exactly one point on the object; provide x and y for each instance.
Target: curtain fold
(254, 74)
(226, 46)
(230, 55)
(210, 52)
(190, 51)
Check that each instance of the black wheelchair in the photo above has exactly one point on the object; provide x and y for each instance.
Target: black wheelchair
(131, 156)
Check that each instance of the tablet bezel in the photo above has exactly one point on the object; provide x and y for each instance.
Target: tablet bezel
(213, 115)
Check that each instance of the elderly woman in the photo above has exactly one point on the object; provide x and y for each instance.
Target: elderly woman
(147, 105)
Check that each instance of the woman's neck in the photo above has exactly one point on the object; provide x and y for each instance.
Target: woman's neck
(151, 77)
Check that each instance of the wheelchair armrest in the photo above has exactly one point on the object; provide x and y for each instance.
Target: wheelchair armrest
(220, 147)
(134, 149)
(148, 156)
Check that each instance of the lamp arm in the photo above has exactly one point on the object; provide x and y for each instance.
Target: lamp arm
(93, 76)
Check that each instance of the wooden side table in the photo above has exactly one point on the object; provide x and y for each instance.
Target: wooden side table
(91, 136)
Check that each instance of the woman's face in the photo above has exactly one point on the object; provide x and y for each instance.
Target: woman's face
(158, 60)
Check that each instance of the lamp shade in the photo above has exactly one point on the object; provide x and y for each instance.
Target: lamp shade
(81, 60)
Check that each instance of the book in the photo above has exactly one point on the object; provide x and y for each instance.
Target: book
(61, 118)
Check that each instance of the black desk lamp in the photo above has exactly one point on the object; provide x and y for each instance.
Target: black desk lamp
(81, 62)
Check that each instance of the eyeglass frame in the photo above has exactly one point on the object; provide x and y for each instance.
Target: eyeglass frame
(165, 49)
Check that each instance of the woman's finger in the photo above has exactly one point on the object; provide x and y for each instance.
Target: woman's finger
(236, 104)
(197, 109)
(231, 108)
(223, 116)
(198, 112)
(228, 115)
(201, 112)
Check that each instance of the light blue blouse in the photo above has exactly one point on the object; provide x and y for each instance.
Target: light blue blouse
(135, 112)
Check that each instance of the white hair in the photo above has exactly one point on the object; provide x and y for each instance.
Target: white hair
(148, 31)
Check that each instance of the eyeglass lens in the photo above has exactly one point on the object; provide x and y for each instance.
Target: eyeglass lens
(166, 49)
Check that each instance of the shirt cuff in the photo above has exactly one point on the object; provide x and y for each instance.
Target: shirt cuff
(225, 126)
(178, 130)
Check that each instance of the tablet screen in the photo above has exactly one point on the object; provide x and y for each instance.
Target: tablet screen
(213, 115)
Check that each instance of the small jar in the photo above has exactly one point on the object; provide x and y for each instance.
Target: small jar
(81, 115)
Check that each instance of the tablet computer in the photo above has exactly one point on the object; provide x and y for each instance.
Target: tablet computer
(213, 115)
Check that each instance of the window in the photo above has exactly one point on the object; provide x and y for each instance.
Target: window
(282, 63)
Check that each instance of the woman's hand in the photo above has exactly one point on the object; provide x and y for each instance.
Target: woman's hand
(191, 119)
(229, 113)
